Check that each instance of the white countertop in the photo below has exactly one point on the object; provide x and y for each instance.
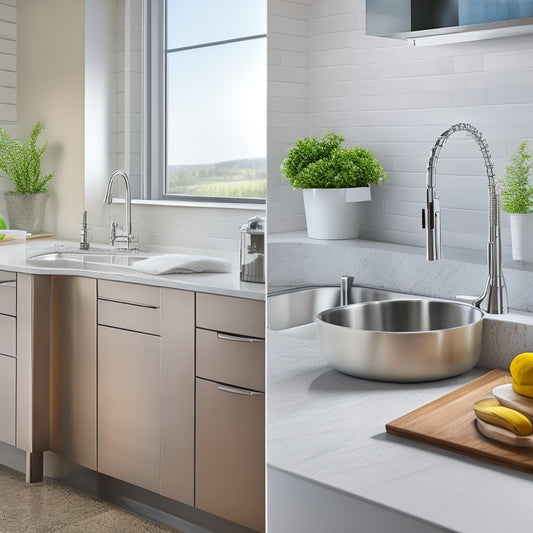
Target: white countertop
(329, 428)
(14, 257)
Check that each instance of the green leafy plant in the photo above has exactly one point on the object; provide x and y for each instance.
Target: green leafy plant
(326, 164)
(517, 192)
(21, 161)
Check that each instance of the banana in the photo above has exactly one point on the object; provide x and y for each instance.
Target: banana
(490, 410)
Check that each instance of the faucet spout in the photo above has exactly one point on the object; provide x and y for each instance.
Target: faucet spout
(494, 298)
(108, 199)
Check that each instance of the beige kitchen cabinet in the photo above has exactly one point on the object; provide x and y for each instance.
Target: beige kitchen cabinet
(230, 409)
(146, 387)
(73, 369)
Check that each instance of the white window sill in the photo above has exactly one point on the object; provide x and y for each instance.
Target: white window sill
(201, 205)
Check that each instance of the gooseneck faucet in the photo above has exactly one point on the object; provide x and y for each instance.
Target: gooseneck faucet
(109, 199)
(494, 297)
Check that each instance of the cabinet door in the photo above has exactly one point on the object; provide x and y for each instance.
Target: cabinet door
(230, 453)
(73, 369)
(129, 406)
(7, 399)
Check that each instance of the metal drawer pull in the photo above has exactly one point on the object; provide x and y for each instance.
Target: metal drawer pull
(225, 337)
(124, 302)
(235, 390)
(9, 282)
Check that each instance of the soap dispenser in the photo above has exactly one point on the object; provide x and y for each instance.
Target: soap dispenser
(253, 250)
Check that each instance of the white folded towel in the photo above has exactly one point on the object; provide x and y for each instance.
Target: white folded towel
(181, 264)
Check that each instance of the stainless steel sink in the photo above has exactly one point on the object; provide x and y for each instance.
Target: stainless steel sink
(85, 260)
(401, 340)
(293, 312)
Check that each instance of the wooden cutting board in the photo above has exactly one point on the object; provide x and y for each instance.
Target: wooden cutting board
(448, 422)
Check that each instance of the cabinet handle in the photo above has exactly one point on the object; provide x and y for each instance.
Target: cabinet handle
(236, 338)
(9, 282)
(235, 390)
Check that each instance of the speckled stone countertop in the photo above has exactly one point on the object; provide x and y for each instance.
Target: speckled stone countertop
(329, 428)
(17, 258)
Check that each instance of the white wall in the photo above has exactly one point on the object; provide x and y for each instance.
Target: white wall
(50, 72)
(8, 78)
(288, 105)
(395, 100)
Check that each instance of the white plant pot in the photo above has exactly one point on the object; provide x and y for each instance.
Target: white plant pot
(334, 213)
(522, 236)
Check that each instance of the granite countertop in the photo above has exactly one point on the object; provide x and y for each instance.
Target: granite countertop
(329, 428)
(17, 258)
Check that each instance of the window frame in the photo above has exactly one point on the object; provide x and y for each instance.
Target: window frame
(155, 98)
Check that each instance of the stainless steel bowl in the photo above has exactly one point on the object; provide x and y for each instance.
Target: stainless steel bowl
(401, 340)
(298, 307)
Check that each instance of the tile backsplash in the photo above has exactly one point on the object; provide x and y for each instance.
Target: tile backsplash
(396, 99)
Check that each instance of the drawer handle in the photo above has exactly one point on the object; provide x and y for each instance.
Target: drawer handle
(236, 338)
(124, 302)
(9, 282)
(235, 390)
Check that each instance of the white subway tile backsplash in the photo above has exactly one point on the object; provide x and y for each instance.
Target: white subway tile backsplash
(287, 26)
(289, 10)
(295, 43)
(284, 73)
(401, 98)
(291, 58)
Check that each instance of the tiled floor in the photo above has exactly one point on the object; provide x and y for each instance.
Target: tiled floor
(50, 506)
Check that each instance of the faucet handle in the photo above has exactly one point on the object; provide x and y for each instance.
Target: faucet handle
(472, 300)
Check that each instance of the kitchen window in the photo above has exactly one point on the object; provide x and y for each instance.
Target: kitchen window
(206, 99)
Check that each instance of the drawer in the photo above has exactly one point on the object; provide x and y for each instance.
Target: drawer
(231, 315)
(129, 293)
(8, 335)
(230, 359)
(131, 317)
(230, 453)
(8, 293)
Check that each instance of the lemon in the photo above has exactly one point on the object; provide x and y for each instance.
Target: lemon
(522, 373)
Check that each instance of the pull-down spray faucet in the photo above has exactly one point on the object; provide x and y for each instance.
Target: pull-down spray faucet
(494, 297)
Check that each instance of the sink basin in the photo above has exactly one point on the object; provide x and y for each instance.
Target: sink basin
(86, 260)
(293, 312)
(401, 340)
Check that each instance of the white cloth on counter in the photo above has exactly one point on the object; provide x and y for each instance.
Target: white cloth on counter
(181, 264)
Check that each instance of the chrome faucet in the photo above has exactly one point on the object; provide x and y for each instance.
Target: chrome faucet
(109, 199)
(494, 297)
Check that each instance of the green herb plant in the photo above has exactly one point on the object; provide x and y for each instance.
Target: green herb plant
(326, 164)
(517, 192)
(21, 161)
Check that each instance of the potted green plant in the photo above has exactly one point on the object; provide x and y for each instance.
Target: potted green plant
(334, 180)
(21, 163)
(517, 200)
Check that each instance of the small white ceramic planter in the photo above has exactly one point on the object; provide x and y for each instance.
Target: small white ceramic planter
(522, 236)
(334, 213)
